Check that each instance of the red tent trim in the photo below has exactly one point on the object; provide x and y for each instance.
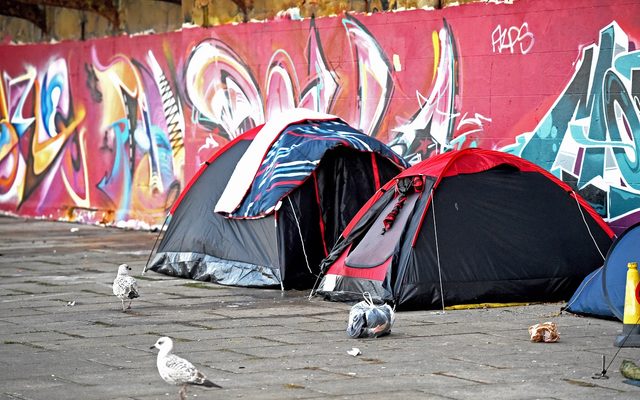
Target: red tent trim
(248, 135)
(377, 273)
(474, 160)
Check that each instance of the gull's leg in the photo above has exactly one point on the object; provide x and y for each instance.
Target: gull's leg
(183, 392)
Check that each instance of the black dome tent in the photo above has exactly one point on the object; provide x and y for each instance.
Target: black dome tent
(466, 227)
(265, 210)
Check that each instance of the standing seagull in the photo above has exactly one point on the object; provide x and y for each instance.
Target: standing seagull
(176, 370)
(125, 286)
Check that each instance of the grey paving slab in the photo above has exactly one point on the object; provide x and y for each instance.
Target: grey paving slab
(262, 344)
(257, 321)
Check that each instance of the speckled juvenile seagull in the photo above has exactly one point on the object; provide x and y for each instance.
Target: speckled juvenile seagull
(125, 286)
(176, 370)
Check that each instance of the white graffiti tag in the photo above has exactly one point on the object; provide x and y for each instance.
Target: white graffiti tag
(509, 38)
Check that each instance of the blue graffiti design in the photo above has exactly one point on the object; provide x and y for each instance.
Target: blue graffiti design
(120, 175)
(616, 93)
(48, 108)
(594, 127)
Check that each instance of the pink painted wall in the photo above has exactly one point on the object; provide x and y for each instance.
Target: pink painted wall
(111, 130)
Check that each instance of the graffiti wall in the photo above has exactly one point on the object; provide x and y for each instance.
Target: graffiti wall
(111, 130)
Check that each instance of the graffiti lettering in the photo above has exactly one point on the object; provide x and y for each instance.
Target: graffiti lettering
(38, 110)
(431, 129)
(222, 89)
(145, 150)
(116, 126)
(508, 39)
(375, 84)
(591, 136)
(282, 84)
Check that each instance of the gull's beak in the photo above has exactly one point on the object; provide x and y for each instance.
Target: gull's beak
(152, 347)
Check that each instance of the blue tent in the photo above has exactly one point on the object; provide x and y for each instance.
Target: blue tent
(602, 292)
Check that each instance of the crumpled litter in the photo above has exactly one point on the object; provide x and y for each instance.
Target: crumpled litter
(368, 320)
(354, 352)
(546, 332)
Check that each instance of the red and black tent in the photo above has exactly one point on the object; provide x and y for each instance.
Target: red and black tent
(266, 209)
(466, 227)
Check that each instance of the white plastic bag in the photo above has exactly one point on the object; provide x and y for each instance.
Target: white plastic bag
(368, 320)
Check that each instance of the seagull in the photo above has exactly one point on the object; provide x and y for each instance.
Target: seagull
(178, 371)
(125, 286)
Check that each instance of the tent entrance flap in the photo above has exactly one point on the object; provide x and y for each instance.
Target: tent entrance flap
(377, 245)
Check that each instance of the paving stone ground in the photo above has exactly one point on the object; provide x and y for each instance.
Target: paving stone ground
(262, 344)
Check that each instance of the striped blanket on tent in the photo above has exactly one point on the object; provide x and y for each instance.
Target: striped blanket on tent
(294, 156)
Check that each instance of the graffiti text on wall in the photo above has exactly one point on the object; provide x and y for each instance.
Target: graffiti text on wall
(39, 138)
(120, 125)
(590, 138)
(513, 39)
(142, 135)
